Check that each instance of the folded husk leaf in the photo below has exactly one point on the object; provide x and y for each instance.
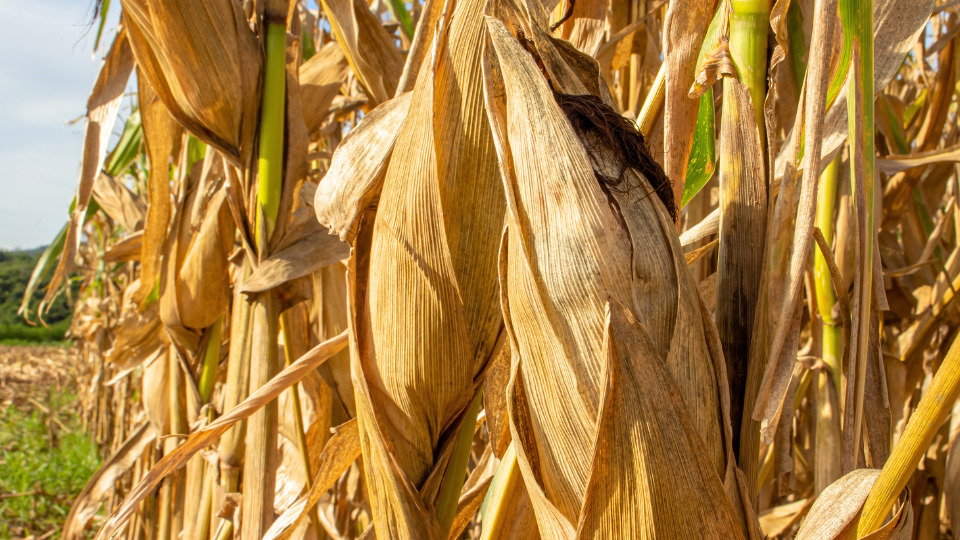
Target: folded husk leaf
(430, 313)
(643, 431)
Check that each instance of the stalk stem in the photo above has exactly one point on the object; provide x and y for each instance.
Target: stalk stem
(922, 427)
(298, 417)
(270, 164)
(857, 15)
(456, 473)
(826, 296)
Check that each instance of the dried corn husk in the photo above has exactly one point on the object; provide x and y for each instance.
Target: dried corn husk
(564, 255)
(428, 318)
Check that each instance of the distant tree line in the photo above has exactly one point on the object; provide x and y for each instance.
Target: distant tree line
(15, 270)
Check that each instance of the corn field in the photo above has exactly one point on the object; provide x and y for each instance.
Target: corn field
(519, 269)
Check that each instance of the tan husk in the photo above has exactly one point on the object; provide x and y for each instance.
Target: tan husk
(560, 261)
(431, 307)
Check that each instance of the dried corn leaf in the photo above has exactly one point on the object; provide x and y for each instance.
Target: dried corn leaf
(683, 33)
(204, 63)
(306, 248)
(891, 165)
(207, 435)
(122, 205)
(355, 178)
(792, 229)
(743, 230)
(896, 26)
(778, 520)
(320, 79)
(643, 431)
(835, 513)
(102, 108)
(126, 249)
(203, 283)
(585, 27)
(368, 47)
(161, 135)
(341, 450)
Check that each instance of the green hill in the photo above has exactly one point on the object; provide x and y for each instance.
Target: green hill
(15, 270)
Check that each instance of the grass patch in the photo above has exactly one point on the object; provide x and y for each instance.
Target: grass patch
(43, 466)
(20, 334)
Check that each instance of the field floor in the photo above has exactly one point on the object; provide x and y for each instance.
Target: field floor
(45, 455)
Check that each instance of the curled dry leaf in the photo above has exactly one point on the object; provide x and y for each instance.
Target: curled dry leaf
(835, 513)
(306, 248)
(102, 108)
(204, 62)
(367, 46)
(125, 250)
(341, 450)
(320, 79)
(203, 282)
(161, 136)
(140, 335)
(124, 206)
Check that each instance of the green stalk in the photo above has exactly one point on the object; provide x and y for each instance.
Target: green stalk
(456, 473)
(260, 459)
(829, 445)
(857, 18)
(748, 46)
(270, 164)
(924, 423)
(826, 296)
(211, 361)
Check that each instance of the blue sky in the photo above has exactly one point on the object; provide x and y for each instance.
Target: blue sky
(46, 72)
